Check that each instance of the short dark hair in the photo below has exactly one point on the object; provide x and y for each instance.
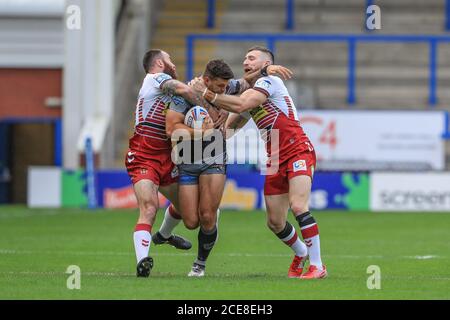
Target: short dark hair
(150, 57)
(218, 69)
(263, 49)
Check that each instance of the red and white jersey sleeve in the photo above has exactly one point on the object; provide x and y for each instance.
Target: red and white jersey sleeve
(150, 123)
(277, 93)
(278, 112)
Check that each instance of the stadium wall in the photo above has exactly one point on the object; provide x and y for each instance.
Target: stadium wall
(37, 87)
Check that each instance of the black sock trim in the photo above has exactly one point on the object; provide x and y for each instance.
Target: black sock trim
(286, 231)
(305, 219)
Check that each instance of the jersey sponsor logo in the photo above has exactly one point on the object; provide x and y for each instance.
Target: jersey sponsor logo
(162, 77)
(299, 165)
(258, 113)
(177, 100)
(264, 84)
(130, 157)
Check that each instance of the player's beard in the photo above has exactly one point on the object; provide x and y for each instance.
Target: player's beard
(168, 70)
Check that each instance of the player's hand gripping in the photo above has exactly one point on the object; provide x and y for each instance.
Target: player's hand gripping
(272, 70)
(207, 123)
(207, 126)
(220, 121)
(197, 84)
(284, 72)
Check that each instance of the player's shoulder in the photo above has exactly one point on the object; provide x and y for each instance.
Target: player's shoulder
(159, 78)
(179, 104)
(269, 83)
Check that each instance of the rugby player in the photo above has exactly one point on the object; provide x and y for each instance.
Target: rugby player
(201, 176)
(148, 160)
(202, 172)
(272, 108)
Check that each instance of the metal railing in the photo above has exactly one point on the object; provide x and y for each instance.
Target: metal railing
(352, 40)
(447, 15)
(290, 14)
(211, 14)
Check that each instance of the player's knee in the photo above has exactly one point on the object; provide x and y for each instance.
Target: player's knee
(191, 224)
(299, 205)
(148, 209)
(207, 218)
(276, 225)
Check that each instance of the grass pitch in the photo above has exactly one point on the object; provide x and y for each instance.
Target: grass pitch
(248, 262)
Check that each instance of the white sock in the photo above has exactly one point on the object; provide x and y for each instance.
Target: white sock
(313, 244)
(169, 223)
(142, 239)
(299, 248)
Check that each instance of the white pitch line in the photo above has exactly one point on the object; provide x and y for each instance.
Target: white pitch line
(51, 273)
(212, 275)
(422, 257)
(230, 254)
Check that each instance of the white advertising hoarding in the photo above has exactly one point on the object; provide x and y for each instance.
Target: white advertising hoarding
(360, 140)
(376, 140)
(44, 187)
(410, 191)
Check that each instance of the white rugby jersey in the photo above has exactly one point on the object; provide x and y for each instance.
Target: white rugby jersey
(150, 110)
(278, 100)
(150, 124)
(279, 112)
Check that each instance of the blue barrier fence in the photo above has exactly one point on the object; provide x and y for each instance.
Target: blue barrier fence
(447, 14)
(290, 13)
(368, 4)
(289, 8)
(90, 174)
(211, 19)
(352, 40)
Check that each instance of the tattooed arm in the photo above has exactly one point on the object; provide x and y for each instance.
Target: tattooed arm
(175, 87)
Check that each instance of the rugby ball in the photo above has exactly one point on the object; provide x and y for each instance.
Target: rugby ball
(195, 116)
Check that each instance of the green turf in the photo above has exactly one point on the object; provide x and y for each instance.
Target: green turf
(248, 262)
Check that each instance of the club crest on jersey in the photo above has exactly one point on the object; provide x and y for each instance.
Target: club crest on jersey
(263, 84)
(299, 165)
(162, 77)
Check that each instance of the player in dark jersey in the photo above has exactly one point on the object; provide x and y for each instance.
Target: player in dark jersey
(292, 160)
(201, 175)
(202, 170)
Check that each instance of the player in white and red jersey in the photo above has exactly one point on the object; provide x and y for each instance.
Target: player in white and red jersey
(148, 159)
(291, 161)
